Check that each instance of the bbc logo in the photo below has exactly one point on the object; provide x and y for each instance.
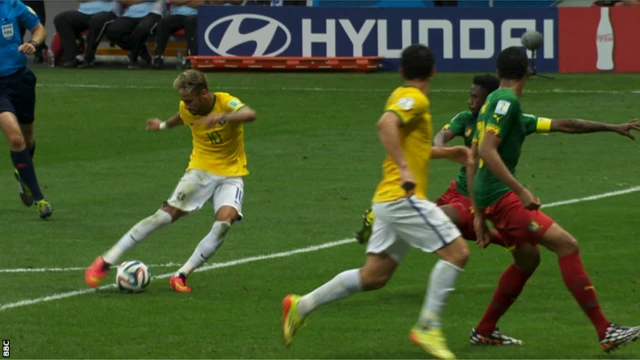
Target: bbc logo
(6, 349)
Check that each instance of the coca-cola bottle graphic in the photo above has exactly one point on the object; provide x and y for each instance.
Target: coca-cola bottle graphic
(604, 41)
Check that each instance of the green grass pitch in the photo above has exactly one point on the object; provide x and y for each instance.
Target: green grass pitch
(315, 160)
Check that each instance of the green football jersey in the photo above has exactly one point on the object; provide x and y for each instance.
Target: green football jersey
(463, 124)
(500, 115)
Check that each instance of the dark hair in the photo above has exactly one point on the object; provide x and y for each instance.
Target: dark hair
(488, 82)
(417, 62)
(512, 63)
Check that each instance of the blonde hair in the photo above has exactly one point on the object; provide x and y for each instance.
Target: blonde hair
(191, 81)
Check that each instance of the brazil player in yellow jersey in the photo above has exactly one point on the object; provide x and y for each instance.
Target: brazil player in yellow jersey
(404, 215)
(214, 174)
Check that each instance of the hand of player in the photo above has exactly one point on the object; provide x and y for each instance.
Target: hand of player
(528, 201)
(461, 154)
(408, 183)
(482, 231)
(210, 120)
(625, 129)
(153, 124)
(27, 48)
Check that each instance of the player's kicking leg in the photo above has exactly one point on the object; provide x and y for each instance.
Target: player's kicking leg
(611, 336)
(227, 199)
(99, 269)
(193, 190)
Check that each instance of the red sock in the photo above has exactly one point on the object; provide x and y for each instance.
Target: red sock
(576, 280)
(509, 287)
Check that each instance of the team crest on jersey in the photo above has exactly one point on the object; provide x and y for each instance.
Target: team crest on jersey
(181, 196)
(534, 226)
(468, 132)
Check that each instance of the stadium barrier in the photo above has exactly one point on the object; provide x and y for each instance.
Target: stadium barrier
(588, 39)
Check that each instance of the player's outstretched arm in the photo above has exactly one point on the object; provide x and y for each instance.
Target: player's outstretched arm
(488, 153)
(443, 137)
(579, 126)
(459, 154)
(157, 124)
(389, 134)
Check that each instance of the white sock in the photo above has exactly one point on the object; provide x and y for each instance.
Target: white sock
(441, 283)
(136, 234)
(206, 248)
(342, 286)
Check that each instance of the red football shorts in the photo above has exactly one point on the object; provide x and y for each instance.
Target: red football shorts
(463, 206)
(516, 224)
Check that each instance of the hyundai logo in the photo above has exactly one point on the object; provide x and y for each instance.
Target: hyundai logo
(268, 36)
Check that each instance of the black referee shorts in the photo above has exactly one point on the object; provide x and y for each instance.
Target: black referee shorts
(18, 95)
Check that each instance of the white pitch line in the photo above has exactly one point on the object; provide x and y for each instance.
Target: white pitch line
(66, 269)
(164, 276)
(281, 254)
(319, 247)
(320, 89)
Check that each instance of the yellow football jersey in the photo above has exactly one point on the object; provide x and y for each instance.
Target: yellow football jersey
(412, 107)
(218, 150)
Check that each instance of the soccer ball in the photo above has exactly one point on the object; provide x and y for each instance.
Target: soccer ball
(531, 40)
(133, 276)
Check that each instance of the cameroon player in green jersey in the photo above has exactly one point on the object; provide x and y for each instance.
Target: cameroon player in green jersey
(498, 196)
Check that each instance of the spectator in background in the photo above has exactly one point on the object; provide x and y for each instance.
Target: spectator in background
(92, 15)
(38, 7)
(131, 31)
(616, 3)
(225, 2)
(183, 15)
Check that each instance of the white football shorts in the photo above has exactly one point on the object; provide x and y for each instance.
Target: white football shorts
(198, 186)
(409, 222)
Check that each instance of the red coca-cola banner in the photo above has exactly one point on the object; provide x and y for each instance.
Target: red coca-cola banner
(599, 39)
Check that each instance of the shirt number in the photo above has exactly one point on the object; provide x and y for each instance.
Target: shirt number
(215, 137)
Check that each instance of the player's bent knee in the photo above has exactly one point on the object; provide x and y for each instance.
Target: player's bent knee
(173, 212)
(560, 241)
(9, 125)
(227, 214)
(374, 280)
(16, 142)
(377, 271)
(527, 260)
(456, 253)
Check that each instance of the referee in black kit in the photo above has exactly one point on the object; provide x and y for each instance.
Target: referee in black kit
(18, 97)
